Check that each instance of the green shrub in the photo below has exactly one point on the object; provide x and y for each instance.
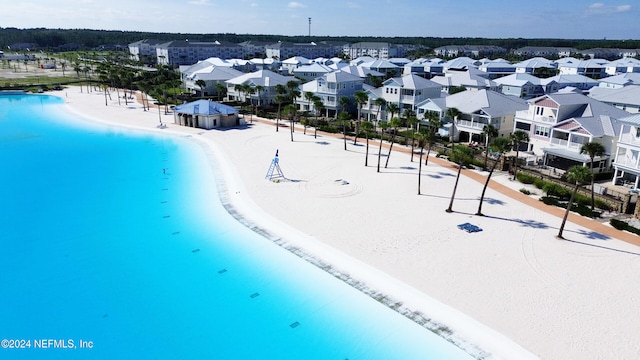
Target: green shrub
(526, 178)
(550, 201)
(622, 225)
(600, 204)
(553, 189)
(539, 183)
(525, 191)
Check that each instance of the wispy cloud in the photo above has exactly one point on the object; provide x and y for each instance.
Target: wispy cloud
(600, 8)
(295, 4)
(352, 5)
(199, 2)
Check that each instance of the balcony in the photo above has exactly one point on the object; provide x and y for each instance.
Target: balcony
(544, 119)
(629, 139)
(627, 161)
(472, 125)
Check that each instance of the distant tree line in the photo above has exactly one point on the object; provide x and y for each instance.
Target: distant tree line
(52, 39)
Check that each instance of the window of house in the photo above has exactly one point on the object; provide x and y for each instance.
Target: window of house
(541, 131)
(395, 91)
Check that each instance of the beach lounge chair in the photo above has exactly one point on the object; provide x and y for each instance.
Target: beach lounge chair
(470, 228)
(464, 226)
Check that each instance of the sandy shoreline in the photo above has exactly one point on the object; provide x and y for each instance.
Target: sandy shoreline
(556, 299)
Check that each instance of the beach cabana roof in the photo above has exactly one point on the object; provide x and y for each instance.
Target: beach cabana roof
(205, 107)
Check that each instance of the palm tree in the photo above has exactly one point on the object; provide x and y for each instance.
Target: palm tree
(395, 124)
(379, 102)
(308, 96)
(412, 122)
(279, 99)
(500, 145)
(361, 98)
(290, 110)
(459, 155)
(592, 149)
(423, 136)
(344, 102)
(489, 131)
(452, 114)
(383, 125)
(579, 175)
(518, 137)
(201, 84)
(318, 105)
(392, 108)
(367, 126)
(344, 118)
(259, 89)
(434, 124)
(221, 90)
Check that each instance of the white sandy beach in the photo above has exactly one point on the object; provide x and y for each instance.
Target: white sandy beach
(542, 297)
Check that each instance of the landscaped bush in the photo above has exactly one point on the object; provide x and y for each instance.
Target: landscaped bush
(526, 178)
(525, 191)
(539, 183)
(550, 201)
(328, 128)
(621, 225)
(556, 190)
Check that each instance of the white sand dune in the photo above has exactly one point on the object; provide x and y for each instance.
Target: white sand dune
(511, 287)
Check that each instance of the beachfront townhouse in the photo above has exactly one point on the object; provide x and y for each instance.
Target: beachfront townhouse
(622, 66)
(288, 65)
(627, 153)
(619, 81)
(626, 98)
(330, 88)
(481, 108)
(213, 72)
(559, 124)
(537, 65)
(496, 68)
(264, 80)
(311, 71)
(471, 79)
(556, 83)
(385, 67)
(593, 68)
(370, 76)
(521, 85)
(409, 90)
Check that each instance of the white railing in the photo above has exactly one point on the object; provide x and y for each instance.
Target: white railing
(629, 139)
(545, 119)
(629, 162)
(557, 141)
(470, 124)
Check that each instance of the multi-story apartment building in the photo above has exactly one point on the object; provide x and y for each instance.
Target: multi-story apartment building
(145, 51)
(284, 50)
(184, 52)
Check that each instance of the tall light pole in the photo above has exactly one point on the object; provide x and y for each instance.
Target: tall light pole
(309, 27)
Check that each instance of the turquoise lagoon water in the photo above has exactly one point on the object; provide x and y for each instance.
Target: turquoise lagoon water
(103, 239)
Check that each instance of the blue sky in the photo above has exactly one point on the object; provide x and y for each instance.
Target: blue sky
(568, 19)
